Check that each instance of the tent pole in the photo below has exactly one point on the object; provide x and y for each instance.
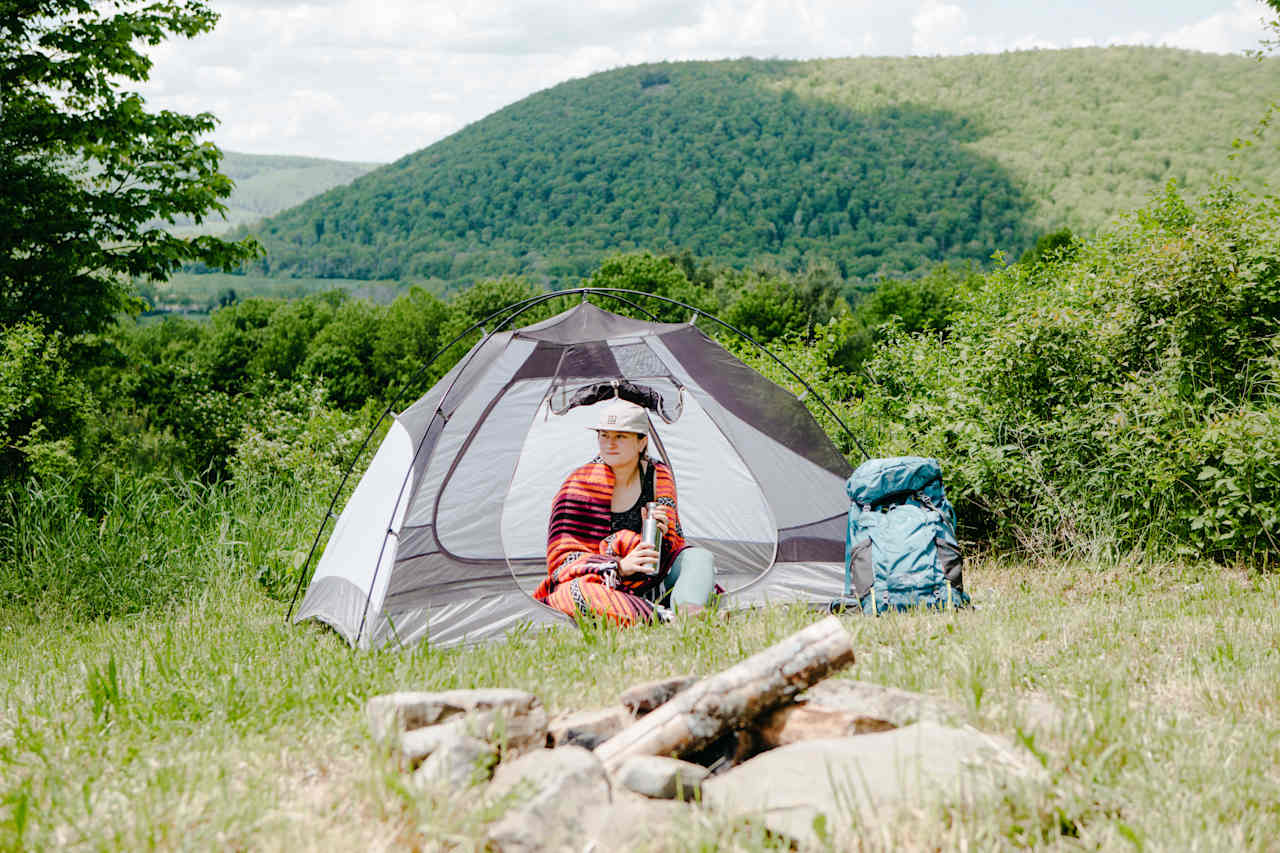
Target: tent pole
(649, 314)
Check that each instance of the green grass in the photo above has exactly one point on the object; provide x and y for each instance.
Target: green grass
(211, 724)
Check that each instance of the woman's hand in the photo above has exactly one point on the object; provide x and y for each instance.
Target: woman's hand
(660, 513)
(643, 560)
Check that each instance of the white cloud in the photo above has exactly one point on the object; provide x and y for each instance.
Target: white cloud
(945, 29)
(941, 29)
(1231, 31)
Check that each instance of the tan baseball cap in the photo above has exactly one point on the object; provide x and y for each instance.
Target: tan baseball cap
(622, 416)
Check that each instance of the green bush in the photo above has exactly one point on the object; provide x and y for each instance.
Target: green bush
(1123, 393)
(298, 440)
(341, 354)
(45, 408)
(647, 273)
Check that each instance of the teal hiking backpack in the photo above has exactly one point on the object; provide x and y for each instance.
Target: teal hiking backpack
(900, 548)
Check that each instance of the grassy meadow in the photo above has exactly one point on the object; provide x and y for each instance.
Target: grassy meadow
(1148, 692)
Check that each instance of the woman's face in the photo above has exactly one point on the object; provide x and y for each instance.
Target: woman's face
(620, 448)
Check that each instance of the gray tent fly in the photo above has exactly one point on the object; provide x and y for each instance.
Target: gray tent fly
(444, 537)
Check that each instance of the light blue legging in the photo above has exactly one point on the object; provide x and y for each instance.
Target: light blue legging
(691, 579)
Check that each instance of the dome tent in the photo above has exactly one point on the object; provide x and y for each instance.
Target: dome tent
(444, 536)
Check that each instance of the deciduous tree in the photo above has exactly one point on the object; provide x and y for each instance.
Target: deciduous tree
(89, 177)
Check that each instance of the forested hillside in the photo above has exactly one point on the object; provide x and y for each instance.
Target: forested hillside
(1088, 133)
(267, 184)
(883, 166)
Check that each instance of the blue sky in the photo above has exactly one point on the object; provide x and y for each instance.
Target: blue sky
(377, 79)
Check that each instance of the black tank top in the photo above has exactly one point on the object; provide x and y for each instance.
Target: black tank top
(632, 519)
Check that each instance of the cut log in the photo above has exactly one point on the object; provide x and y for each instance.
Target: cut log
(643, 698)
(587, 729)
(736, 697)
(392, 713)
(804, 721)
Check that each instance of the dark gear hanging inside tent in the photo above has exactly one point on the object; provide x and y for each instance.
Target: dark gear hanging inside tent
(444, 538)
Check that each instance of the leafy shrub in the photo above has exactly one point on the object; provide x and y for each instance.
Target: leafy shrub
(284, 469)
(44, 406)
(768, 306)
(409, 333)
(1124, 392)
(341, 354)
(662, 276)
(297, 439)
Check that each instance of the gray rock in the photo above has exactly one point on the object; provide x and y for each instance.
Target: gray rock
(552, 794)
(587, 728)
(417, 744)
(457, 761)
(392, 713)
(514, 735)
(856, 779)
(661, 778)
(876, 703)
(643, 698)
(511, 719)
(634, 822)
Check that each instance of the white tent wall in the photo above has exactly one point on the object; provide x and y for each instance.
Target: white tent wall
(355, 567)
(810, 583)
(773, 465)
(721, 506)
(453, 385)
(554, 446)
(460, 425)
(469, 518)
(461, 622)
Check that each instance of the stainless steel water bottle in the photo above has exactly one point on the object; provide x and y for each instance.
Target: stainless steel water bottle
(650, 532)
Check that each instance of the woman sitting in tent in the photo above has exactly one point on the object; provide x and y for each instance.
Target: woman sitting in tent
(596, 561)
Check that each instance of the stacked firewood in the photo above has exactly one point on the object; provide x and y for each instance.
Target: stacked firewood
(674, 744)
